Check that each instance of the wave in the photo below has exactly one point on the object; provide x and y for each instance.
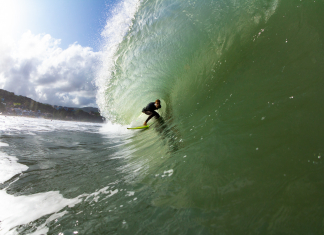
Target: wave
(160, 49)
(241, 82)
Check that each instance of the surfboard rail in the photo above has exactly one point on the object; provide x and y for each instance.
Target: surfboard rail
(139, 127)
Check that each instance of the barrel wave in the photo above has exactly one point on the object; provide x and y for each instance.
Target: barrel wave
(240, 147)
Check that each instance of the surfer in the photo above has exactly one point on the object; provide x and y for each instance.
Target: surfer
(149, 110)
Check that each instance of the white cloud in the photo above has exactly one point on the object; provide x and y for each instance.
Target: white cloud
(38, 68)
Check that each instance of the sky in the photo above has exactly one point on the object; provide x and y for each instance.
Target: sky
(50, 49)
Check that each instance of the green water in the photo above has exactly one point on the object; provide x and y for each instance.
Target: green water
(240, 146)
(242, 82)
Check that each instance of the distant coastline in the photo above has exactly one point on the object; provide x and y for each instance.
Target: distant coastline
(16, 105)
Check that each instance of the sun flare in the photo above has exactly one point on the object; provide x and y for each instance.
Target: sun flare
(10, 17)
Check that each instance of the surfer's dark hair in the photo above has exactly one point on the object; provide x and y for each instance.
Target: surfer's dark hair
(158, 101)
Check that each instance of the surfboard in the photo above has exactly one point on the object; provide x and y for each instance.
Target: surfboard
(139, 127)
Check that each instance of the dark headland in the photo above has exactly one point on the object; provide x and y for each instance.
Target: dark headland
(17, 105)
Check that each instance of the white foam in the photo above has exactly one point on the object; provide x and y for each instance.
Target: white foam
(130, 193)
(3, 144)
(167, 173)
(94, 197)
(32, 126)
(42, 229)
(24, 209)
(113, 130)
(18, 210)
(9, 167)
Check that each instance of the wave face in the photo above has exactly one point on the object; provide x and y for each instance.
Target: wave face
(240, 150)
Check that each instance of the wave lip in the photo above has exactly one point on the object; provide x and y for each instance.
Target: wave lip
(113, 34)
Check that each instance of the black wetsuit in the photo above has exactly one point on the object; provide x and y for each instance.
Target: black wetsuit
(149, 110)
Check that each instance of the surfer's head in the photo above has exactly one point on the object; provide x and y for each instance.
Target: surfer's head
(157, 103)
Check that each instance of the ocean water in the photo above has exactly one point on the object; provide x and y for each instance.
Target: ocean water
(239, 148)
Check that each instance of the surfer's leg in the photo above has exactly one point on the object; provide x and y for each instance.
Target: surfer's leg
(151, 114)
(156, 115)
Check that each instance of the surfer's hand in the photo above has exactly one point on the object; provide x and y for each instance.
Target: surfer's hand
(145, 124)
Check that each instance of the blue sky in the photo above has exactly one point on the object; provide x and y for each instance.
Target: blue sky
(50, 50)
(69, 20)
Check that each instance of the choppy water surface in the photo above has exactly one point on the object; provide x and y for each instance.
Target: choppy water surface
(49, 168)
(240, 147)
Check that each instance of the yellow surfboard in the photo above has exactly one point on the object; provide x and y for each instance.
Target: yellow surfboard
(139, 127)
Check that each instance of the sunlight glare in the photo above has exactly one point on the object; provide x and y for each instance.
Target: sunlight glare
(10, 17)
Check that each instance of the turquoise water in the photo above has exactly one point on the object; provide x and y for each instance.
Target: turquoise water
(239, 150)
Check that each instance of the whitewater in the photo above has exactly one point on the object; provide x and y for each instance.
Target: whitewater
(239, 147)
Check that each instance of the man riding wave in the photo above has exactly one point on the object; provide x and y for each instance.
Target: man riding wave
(149, 110)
